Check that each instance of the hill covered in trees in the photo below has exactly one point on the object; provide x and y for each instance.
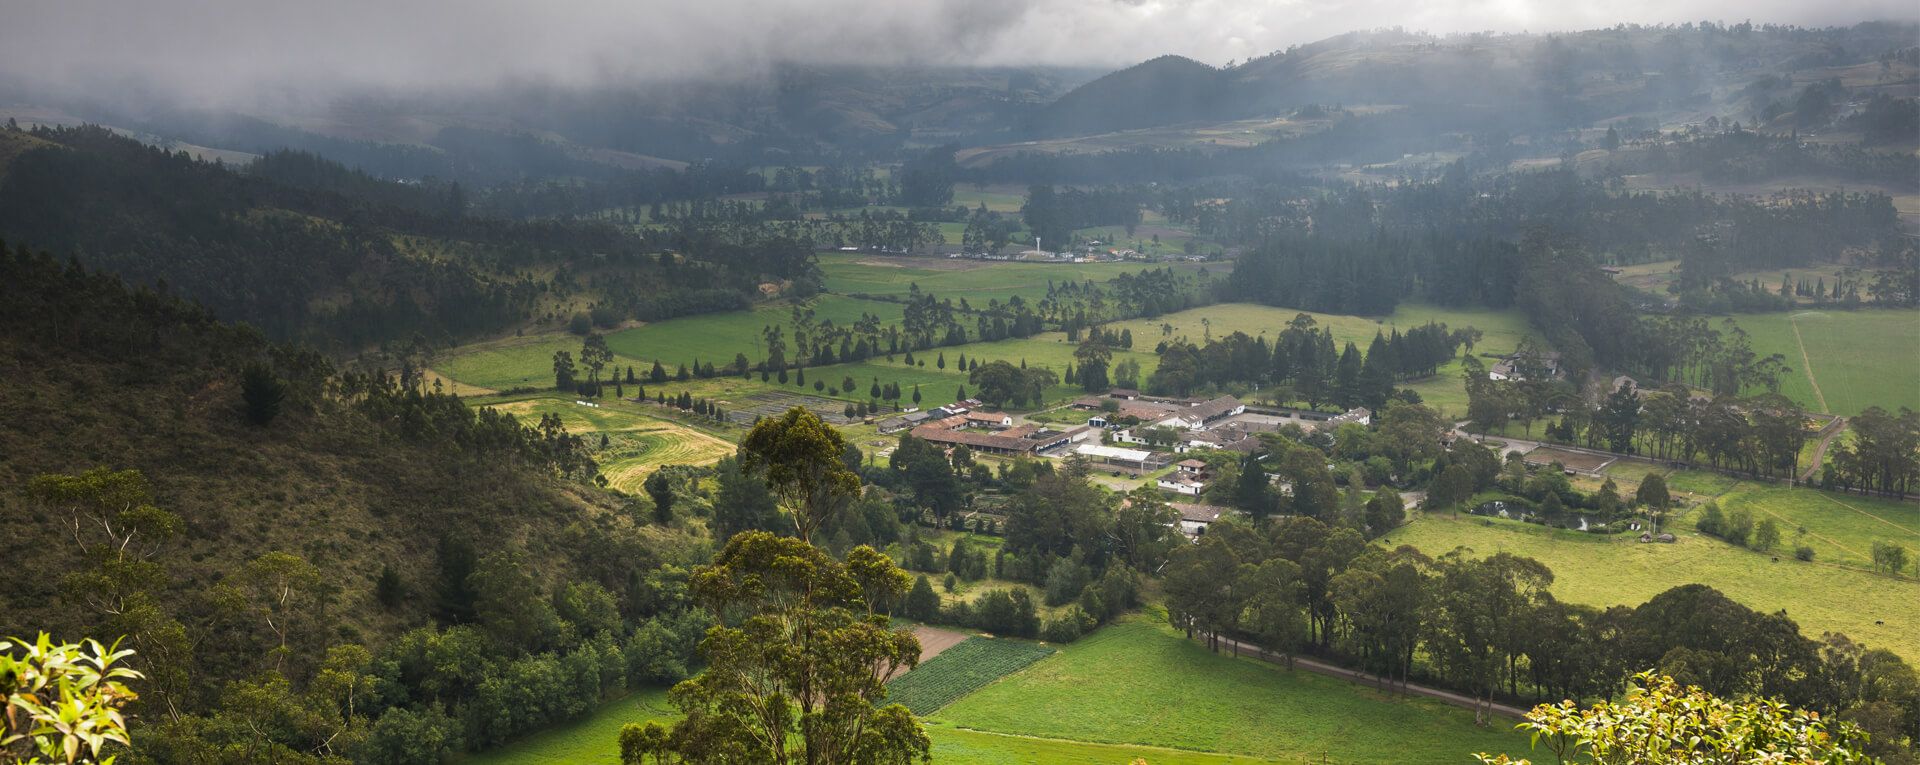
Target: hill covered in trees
(305, 249)
(310, 563)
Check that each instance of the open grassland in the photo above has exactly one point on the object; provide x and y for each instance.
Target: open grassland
(591, 740)
(637, 443)
(960, 746)
(515, 362)
(594, 740)
(716, 337)
(977, 281)
(1139, 682)
(998, 198)
(1600, 570)
(961, 670)
(1841, 528)
(1852, 359)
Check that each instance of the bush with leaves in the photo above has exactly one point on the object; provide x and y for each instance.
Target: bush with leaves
(63, 700)
(1661, 723)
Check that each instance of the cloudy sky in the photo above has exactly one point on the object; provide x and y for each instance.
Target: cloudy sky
(216, 47)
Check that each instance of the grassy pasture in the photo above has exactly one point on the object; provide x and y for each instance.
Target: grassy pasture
(594, 740)
(591, 740)
(998, 198)
(515, 362)
(637, 443)
(961, 670)
(716, 337)
(1618, 570)
(975, 280)
(962, 746)
(1139, 682)
(1863, 358)
(1841, 528)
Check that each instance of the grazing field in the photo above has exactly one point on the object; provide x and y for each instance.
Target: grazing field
(637, 444)
(1139, 682)
(975, 280)
(716, 337)
(961, 670)
(960, 746)
(594, 740)
(591, 740)
(998, 198)
(1843, 361)
(516, 362)
(1618, 570)
(1841, 528)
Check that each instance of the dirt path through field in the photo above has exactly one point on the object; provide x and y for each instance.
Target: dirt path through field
(1827, 434)
(1793, 320)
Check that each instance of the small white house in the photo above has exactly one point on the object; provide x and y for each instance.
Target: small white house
(1181, 483)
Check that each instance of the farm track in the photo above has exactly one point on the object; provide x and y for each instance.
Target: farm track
(1807, 364)
(1827, 435)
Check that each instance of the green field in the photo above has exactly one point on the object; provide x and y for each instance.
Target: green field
(1139, 682)
(1618, 570)
(972, 747)
(592, 739)
(1857, 358)
(961, 670)
(516, 362)
(975, 280)
(637, 441)
(1132, 690)
(1841, 528)
(996, 198)
(716, 337)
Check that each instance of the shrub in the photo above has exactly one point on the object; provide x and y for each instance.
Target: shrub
(922, 602)
(1069, 626)
(1065, 580)
(1803, 552)
(1739, 527)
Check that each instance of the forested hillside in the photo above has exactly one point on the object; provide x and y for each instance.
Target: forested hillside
(305, 249)
(250, 519)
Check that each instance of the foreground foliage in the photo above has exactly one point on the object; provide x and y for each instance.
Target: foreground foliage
(63, 701)
(1661, 723)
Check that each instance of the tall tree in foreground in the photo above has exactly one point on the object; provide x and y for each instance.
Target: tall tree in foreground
(800, 457)
(800, 678)
(1661, 723)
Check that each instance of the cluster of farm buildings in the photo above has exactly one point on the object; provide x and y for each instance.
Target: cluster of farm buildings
(1143, 435)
